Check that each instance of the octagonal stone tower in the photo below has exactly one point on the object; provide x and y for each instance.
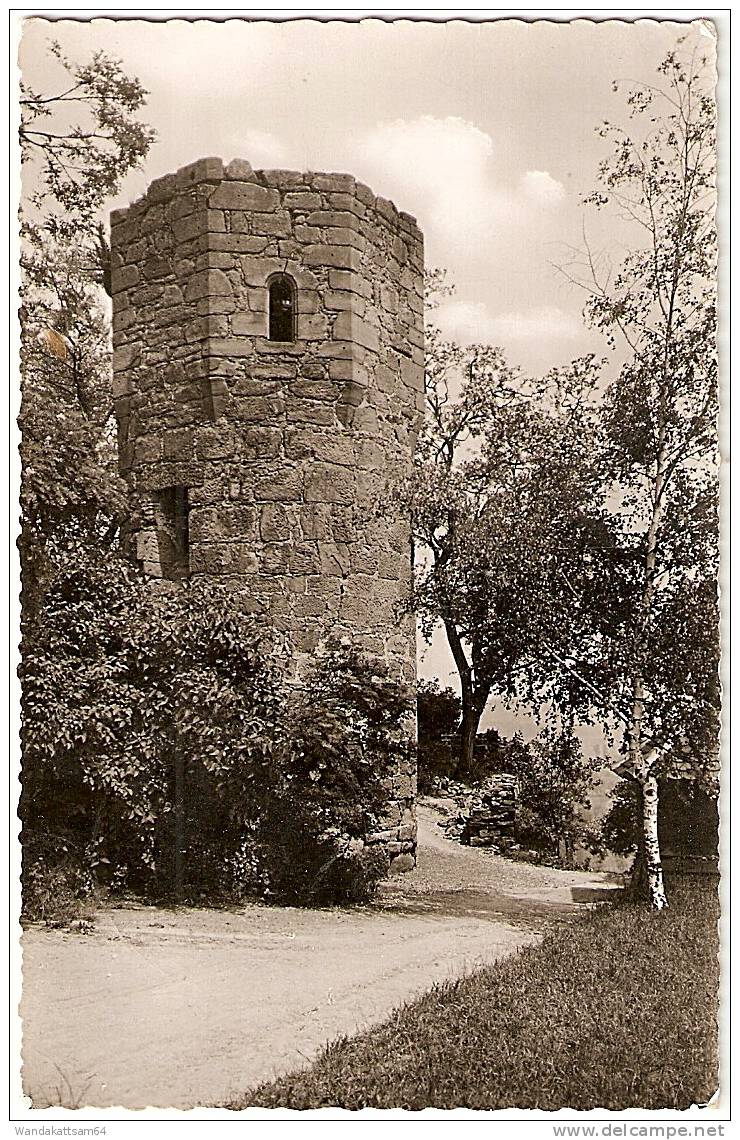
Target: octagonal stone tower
(268, 380)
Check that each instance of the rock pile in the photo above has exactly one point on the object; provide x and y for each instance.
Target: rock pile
(483, 816)
(492, 814)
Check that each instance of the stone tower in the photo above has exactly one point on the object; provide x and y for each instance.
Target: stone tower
(268, 372)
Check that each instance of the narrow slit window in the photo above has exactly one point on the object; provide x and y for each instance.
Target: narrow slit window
(173, 533)
(282, 307)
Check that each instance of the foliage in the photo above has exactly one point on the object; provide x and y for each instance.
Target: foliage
(620, 827)
(437, 710)
(658, 643)
(504, 499)
(82, 140)
(123, 689)
(329, 782)
(161, 730)
(609, 1013)
(554, 779)
(72, 498)
(77, 146)
(438, 719)
(58, 889)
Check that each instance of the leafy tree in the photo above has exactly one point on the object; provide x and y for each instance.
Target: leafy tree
(659, 646)
(504, 502)
(80, 141)
(77, 145)
(72, 499)
(438, 719)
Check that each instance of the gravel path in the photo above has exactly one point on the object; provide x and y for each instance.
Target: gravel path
(185, 1007)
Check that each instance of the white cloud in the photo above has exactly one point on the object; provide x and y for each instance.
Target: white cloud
(472, 323)
(443, 171)
(261, 148)
(541, 188)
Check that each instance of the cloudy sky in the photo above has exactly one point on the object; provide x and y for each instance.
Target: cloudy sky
(484, 131)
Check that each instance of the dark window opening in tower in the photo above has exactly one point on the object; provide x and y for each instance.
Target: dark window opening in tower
(173, 532)
(282, 308)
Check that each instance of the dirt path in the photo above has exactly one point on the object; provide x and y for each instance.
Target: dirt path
(184, 1007)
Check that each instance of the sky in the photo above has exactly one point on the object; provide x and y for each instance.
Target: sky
(486, 132)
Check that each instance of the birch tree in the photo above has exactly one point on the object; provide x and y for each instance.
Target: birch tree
(658, 307)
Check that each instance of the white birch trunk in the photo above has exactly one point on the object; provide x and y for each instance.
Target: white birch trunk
(654, 867)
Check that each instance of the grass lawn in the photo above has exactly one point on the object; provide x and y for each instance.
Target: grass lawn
(617, 1011)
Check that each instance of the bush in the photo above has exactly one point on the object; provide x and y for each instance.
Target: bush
(161, 733)
(146, 720)
(329, 783)
(58, 887)
(555, 779)
(438, 714)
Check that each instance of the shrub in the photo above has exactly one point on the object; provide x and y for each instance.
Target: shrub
(554, 779)
(329, 782)
(58, 885)
(162, 735)
(438, 714)
(147, 719)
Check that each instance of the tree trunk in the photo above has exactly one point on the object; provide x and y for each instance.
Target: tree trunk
(653, 865)
(468, 732)
(473, 696)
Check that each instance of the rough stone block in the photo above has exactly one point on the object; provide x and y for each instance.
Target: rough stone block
(305, 412)
(249, 324)
(256, 270)
(335, 559)
(204, 170)
(230, 346)
(274, 224)
(338, 301)
(313, 327)
(333, 182)
(345, 237)
(178, 444)
(352, 328)
(126, 357)
(302, 200)
(261, 442)
(343, 219)
(274, 523)
(239, 170)
(237, 242)
(351, 282)
(284, 179)
(124, 278)
(284, 486)
(336, 256)
(328, 484)
(223, 558)
(243, 196)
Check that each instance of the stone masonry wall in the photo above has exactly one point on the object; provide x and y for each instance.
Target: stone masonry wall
(275, 456)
